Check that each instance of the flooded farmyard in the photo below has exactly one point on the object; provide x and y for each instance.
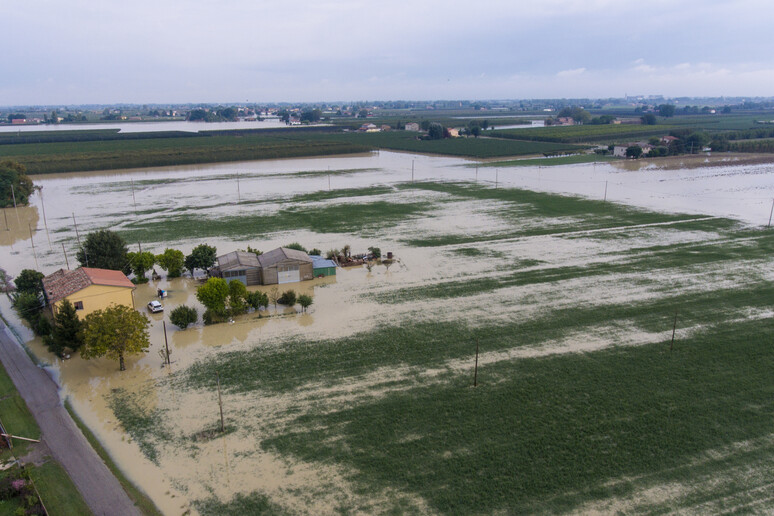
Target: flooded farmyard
(324, 411)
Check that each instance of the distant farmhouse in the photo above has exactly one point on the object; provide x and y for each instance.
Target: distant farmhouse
(412, 126)
(88, 289)
(282, 265)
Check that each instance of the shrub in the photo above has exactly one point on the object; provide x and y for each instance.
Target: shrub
(257, 300)
(183, 316)
(305, 301)
(210, 317)
(296, 246)
(288, 298)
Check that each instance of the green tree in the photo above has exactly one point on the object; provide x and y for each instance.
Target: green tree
(288, 298)
(257, 300)
(202, 257)
(213, 295)
(666, 110)
(363, 113)
(649, 119)
(103, 249)
(14, 183)
(67, 330)
(633, 151)
(29, 280)
(296, 246)
(237, 294)
(29, 307)
(141, 263)
(115, 332)
(183, 315)
(376, 252)
(305, 301)
(311, 115)
(435, 131)
(172, 261)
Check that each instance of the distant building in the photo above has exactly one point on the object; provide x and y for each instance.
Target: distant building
(368, 128)
(412, 126)
(322, 267)
(280, 265)
(385, 127)
(88, 289)
(667, 140)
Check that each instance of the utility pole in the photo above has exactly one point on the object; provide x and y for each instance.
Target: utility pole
(166, 345)
(475, 370)
(412, 170)
(5, 214)
(674, 328)
(134, 199)
(239, 192)
(497, 176)
(768, 226)
(605, 199)
(476, 173)
(220, 403)
(67, 262)
(34, 253)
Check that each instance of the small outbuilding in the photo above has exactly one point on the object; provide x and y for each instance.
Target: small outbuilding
(322, 267)
(283, 265)
(239, 265)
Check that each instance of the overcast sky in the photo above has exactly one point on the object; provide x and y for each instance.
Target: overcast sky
(168, 51)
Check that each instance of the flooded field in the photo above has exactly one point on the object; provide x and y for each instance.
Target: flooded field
(365, 404)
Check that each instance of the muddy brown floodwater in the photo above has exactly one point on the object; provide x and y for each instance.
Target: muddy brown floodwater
(343, 305)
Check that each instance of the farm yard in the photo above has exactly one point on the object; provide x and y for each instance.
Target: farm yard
(584, 401)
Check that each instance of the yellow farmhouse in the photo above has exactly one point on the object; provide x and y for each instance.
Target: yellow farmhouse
(88, 289)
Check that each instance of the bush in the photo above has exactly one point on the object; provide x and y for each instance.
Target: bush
(376, 252)
(305, 301)
(288, 298)
(296, 246)
(257, 300)
(183, 316)
(210, 317)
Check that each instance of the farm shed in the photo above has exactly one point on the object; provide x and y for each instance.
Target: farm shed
(239, 265)
(322, 267)
(88, 289)
(284, 265)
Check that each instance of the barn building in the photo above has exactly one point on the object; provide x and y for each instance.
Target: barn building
(283, 265)
(239, 265)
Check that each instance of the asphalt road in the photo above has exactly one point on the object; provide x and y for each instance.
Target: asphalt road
(99, 488)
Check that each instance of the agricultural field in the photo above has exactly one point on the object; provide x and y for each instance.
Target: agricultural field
(583, 401)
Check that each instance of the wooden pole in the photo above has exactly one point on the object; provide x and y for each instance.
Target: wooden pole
(412, 170)
(32, 240)
(674, 328)
(5, 214)
(139, 246)
(476, 173)
(497, 176)
(134, 199)
(78, 237)
(475, 370)
(13, 193)
(605, 199)
(769, 225)
(22, 438)
(220, 403)
(67, 262)
(239, 191)
(166, 343)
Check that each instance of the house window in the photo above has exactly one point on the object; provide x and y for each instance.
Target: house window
(78, 305)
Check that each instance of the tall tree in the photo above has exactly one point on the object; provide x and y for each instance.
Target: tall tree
(103, 249)
(141, 263)
(115, 332)
(67, 329)
(14, 183)
(172, 261)
(202, 256)
(213, 295)
(237, 297)
(29, 280)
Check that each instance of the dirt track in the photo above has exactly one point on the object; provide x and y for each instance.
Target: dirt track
(100, 489)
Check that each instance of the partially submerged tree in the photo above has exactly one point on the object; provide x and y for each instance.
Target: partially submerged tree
(67, 330)
(257, 300)
(274, 295)
(305, 301)
(202, 257)
(237, 294)
(140, 263)
(288, 298)
(172, 261)
(115, 332)
(103, 249)
(213, 295)
(183, 315)
(14, 184)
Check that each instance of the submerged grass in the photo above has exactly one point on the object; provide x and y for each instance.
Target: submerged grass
(144, 425)
(548, 162)
(548, 434)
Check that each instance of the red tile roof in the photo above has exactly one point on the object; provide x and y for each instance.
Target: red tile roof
(62, 283)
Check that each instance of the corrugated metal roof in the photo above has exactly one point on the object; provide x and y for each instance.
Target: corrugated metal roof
(282, 253)
(237, 259)
(62, 283)
(318, 262)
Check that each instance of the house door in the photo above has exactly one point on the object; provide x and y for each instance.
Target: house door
(288, 274)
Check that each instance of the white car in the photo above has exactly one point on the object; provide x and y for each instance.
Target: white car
(155, 307)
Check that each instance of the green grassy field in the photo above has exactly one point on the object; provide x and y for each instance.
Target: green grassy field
(57, 491)
(584, 133)
(581, 404)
